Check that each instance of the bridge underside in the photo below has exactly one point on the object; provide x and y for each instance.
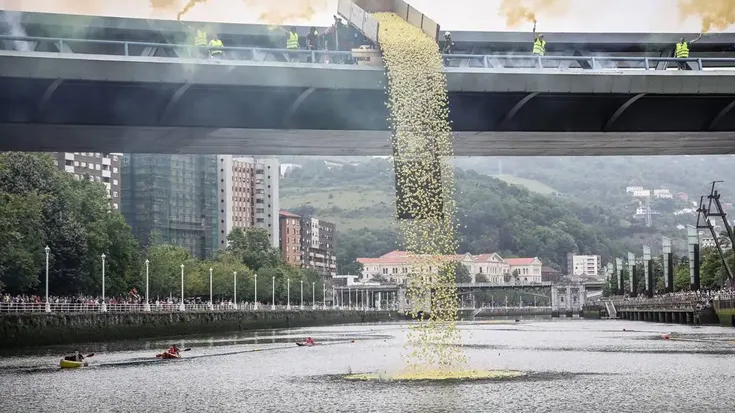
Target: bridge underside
(78, 115)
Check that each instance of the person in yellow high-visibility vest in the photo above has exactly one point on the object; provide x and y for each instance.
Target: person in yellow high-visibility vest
(215, 48)
(200, 41)
(292, 43)
(682, 52)
(539, 44)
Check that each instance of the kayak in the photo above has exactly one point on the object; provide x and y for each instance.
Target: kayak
(167, 355)
(66, 364)
(304, 344)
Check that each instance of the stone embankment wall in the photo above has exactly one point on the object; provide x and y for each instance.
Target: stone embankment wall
(38, 329)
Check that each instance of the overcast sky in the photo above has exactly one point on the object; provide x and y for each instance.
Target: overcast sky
(476, 15)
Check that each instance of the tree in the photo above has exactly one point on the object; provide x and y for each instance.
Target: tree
(72, 217)
(21, 242)
(481, 278)
(254, 248)
(461, 273)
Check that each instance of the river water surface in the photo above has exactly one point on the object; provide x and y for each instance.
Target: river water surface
(573, 366)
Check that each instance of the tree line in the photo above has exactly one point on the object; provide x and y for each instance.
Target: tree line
(41, 206)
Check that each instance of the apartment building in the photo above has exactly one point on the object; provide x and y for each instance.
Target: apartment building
(97, 167)
(290, 237)
(248, 190)
(395, 266)
(588, 265)
(174, 198)
(318, 246)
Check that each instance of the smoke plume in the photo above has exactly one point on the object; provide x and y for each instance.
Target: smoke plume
(275, 12)
(517, 12)
(715, 14)
(12, 26)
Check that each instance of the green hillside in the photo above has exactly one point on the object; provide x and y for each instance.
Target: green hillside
(530, 184)
(493, 215)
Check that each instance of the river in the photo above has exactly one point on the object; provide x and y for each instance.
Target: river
(573, 366)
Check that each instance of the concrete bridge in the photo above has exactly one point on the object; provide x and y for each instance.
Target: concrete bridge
(105, 103)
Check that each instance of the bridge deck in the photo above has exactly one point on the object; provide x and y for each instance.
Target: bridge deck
(72, 102)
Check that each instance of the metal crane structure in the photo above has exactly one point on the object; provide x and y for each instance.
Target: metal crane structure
(704, 213)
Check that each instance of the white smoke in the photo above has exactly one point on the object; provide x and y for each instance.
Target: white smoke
(13, 27)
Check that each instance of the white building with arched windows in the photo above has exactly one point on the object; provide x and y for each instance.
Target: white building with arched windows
(395, 266)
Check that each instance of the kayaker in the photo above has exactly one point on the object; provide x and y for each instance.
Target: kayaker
(309, 341)
(75, 357)
(173, 350)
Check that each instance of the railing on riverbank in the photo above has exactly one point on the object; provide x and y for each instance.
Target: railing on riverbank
(226, 307)
(178, 51)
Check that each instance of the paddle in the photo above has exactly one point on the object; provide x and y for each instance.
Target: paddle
(89, 355)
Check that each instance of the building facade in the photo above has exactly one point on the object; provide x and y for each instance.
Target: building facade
(172, 198)
(318, 238)
(395, 266)
(588, 265)
(97, 167)
(290, 238)
(248, 191)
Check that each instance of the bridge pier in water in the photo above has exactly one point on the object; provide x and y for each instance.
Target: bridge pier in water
(569, 297)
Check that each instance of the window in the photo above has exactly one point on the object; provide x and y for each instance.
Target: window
(385, 271)
(115, 206)
(84, 164)
(114, 158)
(114, 181)
(114, 169)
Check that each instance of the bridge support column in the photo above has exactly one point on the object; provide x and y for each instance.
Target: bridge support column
(568, 306)
(401, 299)
(693, 241)
(619, 275)
(554, 301)
(633, 288)
(668, 264)
(648, 271)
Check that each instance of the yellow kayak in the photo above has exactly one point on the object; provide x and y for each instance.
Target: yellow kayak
(66, 364)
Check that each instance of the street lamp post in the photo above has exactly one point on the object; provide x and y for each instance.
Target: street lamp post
(147, 305)
(182, 307)
(211, 299)
(334, 298)
(255, 296)
(301, 307)
(288, 293)
(324, 293)
(103, 307)
(273, 292)
(234, 289)
(313, 296)
(48, 304)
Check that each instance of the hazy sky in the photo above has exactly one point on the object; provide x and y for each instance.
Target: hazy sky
(476, 15)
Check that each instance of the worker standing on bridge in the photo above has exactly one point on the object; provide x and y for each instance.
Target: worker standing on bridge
(312, 43)
(682, 52)
(292, 43)
(200, 42)
(449, 47)
(215, 48)
(539, 44)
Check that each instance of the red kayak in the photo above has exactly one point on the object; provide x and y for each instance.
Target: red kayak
(167, 355)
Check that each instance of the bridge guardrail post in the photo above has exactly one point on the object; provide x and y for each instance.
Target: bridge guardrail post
(484, 61)
(593, 63)
(127, 52)
(538, 62)
(61, 45)
(646, 63)
(699, 63)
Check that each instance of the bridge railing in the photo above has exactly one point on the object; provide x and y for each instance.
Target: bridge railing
(134, 48)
